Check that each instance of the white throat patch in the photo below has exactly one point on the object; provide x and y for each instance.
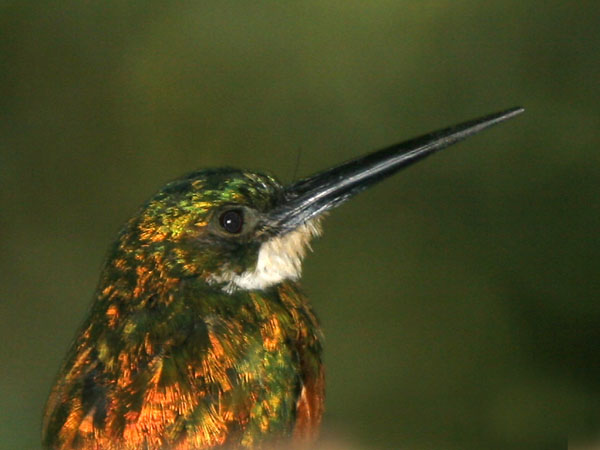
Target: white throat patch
(279, 258)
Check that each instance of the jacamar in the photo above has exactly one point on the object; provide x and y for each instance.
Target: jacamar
(199, 335)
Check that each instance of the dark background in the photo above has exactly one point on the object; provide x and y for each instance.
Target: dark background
(459, 299)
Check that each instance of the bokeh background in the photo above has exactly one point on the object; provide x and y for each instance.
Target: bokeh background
(460, 299)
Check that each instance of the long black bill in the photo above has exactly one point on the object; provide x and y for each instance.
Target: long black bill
(314, 195)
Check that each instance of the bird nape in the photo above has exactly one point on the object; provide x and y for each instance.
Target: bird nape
(199, 336)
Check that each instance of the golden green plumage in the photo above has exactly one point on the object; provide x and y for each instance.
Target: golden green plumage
(166, 357)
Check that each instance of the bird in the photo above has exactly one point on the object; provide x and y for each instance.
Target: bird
(199, 335)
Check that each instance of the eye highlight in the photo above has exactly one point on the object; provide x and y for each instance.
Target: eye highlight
(232, 221)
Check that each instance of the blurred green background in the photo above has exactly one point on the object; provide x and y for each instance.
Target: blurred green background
(459, 299)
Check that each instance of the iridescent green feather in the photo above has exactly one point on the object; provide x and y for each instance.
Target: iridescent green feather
(158, 326)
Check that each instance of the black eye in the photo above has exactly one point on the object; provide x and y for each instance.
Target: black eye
(232, 221)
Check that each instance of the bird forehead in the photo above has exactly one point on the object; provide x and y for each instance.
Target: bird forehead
(235, 187)
(190, 201)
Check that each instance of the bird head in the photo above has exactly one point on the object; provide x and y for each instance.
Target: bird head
(217, 225)
(236, 229)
